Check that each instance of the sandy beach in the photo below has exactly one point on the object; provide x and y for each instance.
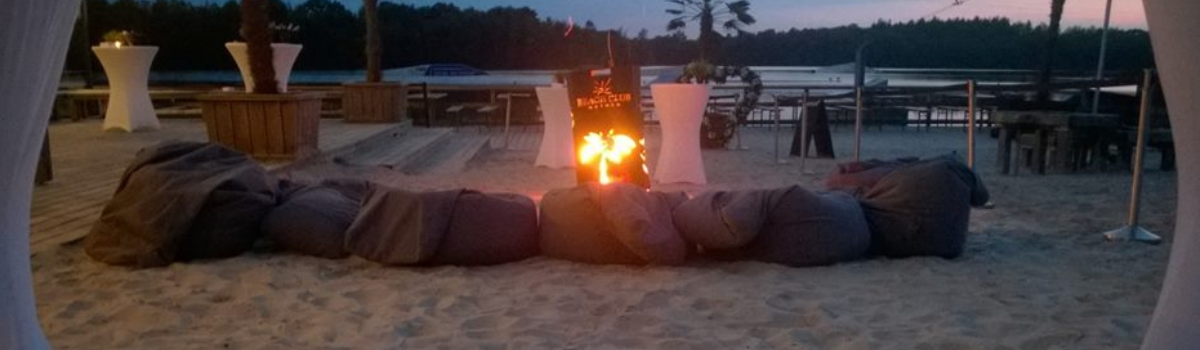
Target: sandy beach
(1036, 275)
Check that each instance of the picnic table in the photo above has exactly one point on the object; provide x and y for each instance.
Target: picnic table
(1073, 135)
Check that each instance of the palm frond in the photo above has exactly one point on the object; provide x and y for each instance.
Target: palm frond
(676, 24)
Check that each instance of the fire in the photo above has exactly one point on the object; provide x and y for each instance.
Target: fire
(605, 149)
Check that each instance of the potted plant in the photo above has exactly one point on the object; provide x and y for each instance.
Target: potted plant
(284, 55)
(374, 101)
(267, 123)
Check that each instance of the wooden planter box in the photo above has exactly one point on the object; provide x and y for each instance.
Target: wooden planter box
(374, 102)
(265, 126)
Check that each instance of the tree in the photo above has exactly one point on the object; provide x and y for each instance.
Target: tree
(371, 18)
(1056, 11)
(736, 15)
(258, 46)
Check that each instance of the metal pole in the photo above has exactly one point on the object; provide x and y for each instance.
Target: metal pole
(776, 112)
(1132, 230)
(857, 122)
(1100, 63)
(803, 130)
(971, 124)
(86, 50)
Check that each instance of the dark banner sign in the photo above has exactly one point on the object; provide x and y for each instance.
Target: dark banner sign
(607, 126)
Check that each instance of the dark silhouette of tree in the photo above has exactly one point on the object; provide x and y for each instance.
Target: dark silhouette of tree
(1044, 78)
(331, 35)
(373, 50)
(257, 33)
(192, 36)
(736, 16)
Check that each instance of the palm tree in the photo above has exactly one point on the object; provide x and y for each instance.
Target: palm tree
(371, 17)
(735, 14)
(1056, 12)
(258, 46)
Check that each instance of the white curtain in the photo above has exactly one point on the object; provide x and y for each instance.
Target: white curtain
(33, 44)
(1175, 34)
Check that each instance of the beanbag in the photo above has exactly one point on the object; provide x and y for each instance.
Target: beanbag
(182, 200)
(725, 219)
(313, 220)
(803, 228)
(460, 227)
(486, 229)
(923, 208)
(857, 177)
(398, 227)
(611, 224)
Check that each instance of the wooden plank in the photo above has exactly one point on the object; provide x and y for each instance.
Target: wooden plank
(209, 114)
(243, 113)
(225, 126)
(289, 127)
(275, 138)
(258, 128)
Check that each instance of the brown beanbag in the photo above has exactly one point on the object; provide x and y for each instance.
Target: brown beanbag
(611, 224)
(398, 227)
(182, 200)
(923, 208)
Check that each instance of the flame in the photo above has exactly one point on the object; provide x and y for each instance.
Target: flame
(117, 44)
(605, 149)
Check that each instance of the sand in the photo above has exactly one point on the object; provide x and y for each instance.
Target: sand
(1036, 275)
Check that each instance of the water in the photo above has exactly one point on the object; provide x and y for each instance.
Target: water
(835, 77)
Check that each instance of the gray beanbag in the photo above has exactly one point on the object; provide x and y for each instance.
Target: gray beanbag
(923, 208)
(461, 227)
(803, 228)
(182, 200)
(487, 229)
(611, 224)
(725, 219)
(313, 220)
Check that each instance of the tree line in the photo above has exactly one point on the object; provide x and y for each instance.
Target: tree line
(192, 37)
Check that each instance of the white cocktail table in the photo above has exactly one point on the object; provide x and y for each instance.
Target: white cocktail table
(680, 108)
(128, 70)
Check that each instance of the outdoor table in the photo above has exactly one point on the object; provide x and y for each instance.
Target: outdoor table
(558, 147)
(426, 102)
(1064, 126)
(508, 97)
(128, 69)
(679, 157)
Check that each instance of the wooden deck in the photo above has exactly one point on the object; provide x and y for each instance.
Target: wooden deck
(88, 164)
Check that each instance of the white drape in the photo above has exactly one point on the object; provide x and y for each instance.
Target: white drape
(33, 44)
(1174, 27)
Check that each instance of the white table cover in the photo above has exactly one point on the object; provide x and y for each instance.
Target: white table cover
(680, 108)
(558, 146)
(128, 70)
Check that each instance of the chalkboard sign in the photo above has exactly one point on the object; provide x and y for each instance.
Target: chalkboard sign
(606, 108)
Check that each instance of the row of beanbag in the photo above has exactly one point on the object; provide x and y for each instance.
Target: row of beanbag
(184, 201)
(391, 226)
(902, 208)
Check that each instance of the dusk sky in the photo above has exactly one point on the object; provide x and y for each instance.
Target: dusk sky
(633, 15)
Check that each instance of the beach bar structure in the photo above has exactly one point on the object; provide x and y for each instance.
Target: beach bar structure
(33, 66)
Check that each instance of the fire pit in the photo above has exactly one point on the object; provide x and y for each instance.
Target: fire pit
(607, 126)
